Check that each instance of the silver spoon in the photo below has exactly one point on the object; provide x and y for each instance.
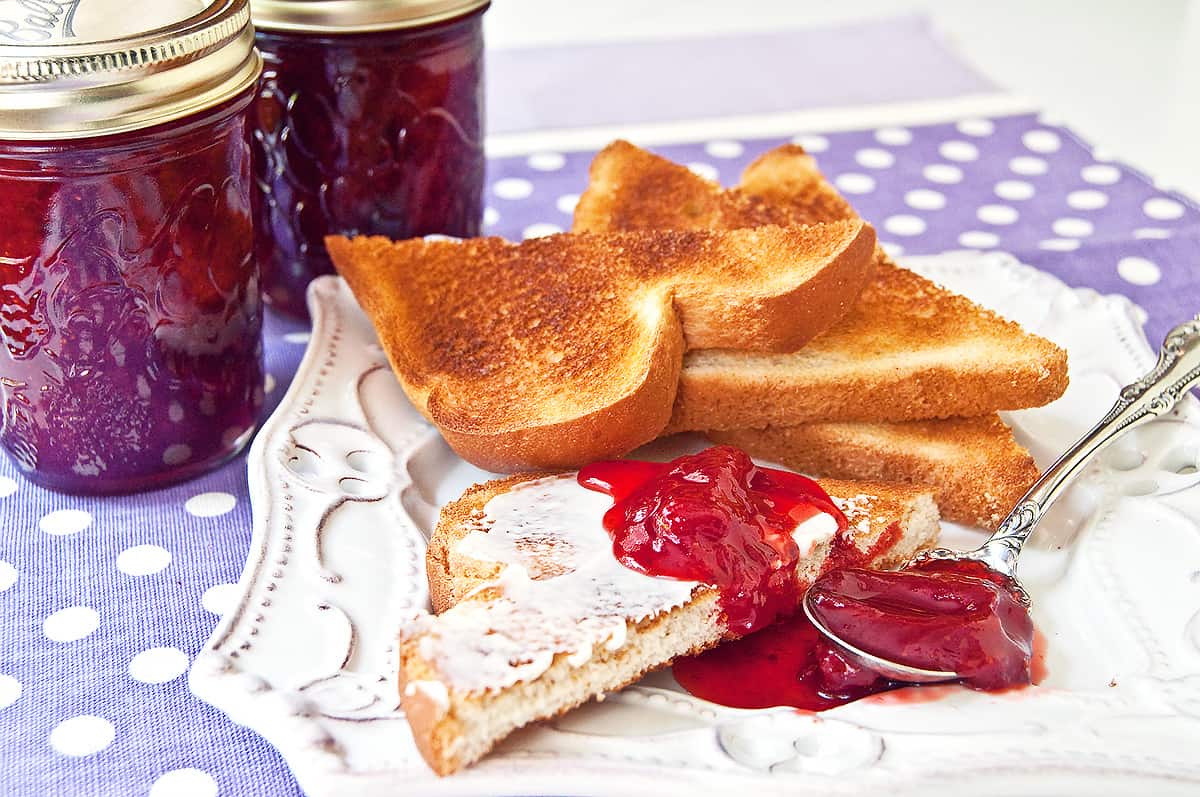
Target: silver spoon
(1155, 394)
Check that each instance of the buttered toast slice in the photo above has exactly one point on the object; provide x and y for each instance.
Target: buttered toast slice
(907, 350)
(538, 616)
(977, 469)
(567, 349)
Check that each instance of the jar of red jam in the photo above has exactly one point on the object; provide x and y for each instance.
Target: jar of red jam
(369, 120)
(130, 308)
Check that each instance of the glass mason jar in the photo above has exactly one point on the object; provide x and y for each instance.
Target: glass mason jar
(369, 121)
(130, 309)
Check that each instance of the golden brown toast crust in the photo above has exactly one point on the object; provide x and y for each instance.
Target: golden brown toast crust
(787, 178)
(898, 355)
(869, 366)
(669, 196)
(562, 350)
(978, 469)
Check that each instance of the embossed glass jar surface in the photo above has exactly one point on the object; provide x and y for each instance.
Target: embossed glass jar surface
(375, 133)
(129, 303)
(130, 310)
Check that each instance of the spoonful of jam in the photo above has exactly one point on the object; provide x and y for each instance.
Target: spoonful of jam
(963, 616)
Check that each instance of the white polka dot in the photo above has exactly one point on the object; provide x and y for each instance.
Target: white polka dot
(269, 384)
(512, 188)
(854, 183)
(812, 143)
(925, 199)
(978, 239)
(904, 224)
(184, 783)
(71, 623)
(65, 521)
(219, 598)
(943, 173)
(158, 665)
(1100, 174)
(1139, 271)
(540, 230)
(893, 136)
(1072, 228)
(872, 158)
(960, 151)
(892, 248)
(1162, 208)
(1014, 190)
(546, 161)
(143, 560)
(490, 217)
(976, 127)
(177, 454)
(567, 202)
(1059, 244)
(724, 149)
(8, 575)
(1042, 141)
(10, 690)
(300, 338)
(210, 504)
(1087, 199)
(1028, 165)
(83, 735)
(1151, 232)
(7, 486)
(997, 214)
(705, 170)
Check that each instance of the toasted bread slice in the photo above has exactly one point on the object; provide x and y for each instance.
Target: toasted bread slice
(562, 350)
(907, 350)
(539, 616)
(976, 467)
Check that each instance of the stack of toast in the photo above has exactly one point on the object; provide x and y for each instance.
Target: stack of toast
(765, 317)
(904, 388)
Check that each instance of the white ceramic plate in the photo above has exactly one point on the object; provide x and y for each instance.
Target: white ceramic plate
(346, 481)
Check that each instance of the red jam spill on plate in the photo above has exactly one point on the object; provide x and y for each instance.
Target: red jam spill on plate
(717, 518)
(938, 616)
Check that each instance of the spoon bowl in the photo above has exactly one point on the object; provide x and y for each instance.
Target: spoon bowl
(891, 670)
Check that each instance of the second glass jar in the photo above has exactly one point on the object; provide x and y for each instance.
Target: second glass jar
(374, 133)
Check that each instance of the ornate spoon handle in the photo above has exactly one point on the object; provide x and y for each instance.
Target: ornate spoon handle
(1156, 393)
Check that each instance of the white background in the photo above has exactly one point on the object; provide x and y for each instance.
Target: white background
(1124, 74)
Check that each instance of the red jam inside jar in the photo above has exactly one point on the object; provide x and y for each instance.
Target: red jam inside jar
(373, 133)
(129, 303)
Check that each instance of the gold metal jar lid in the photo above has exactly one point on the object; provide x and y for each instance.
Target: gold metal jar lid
(77, 68)
(355, 16)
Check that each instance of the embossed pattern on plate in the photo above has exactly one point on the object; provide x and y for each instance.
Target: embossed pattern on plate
(346, 479)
